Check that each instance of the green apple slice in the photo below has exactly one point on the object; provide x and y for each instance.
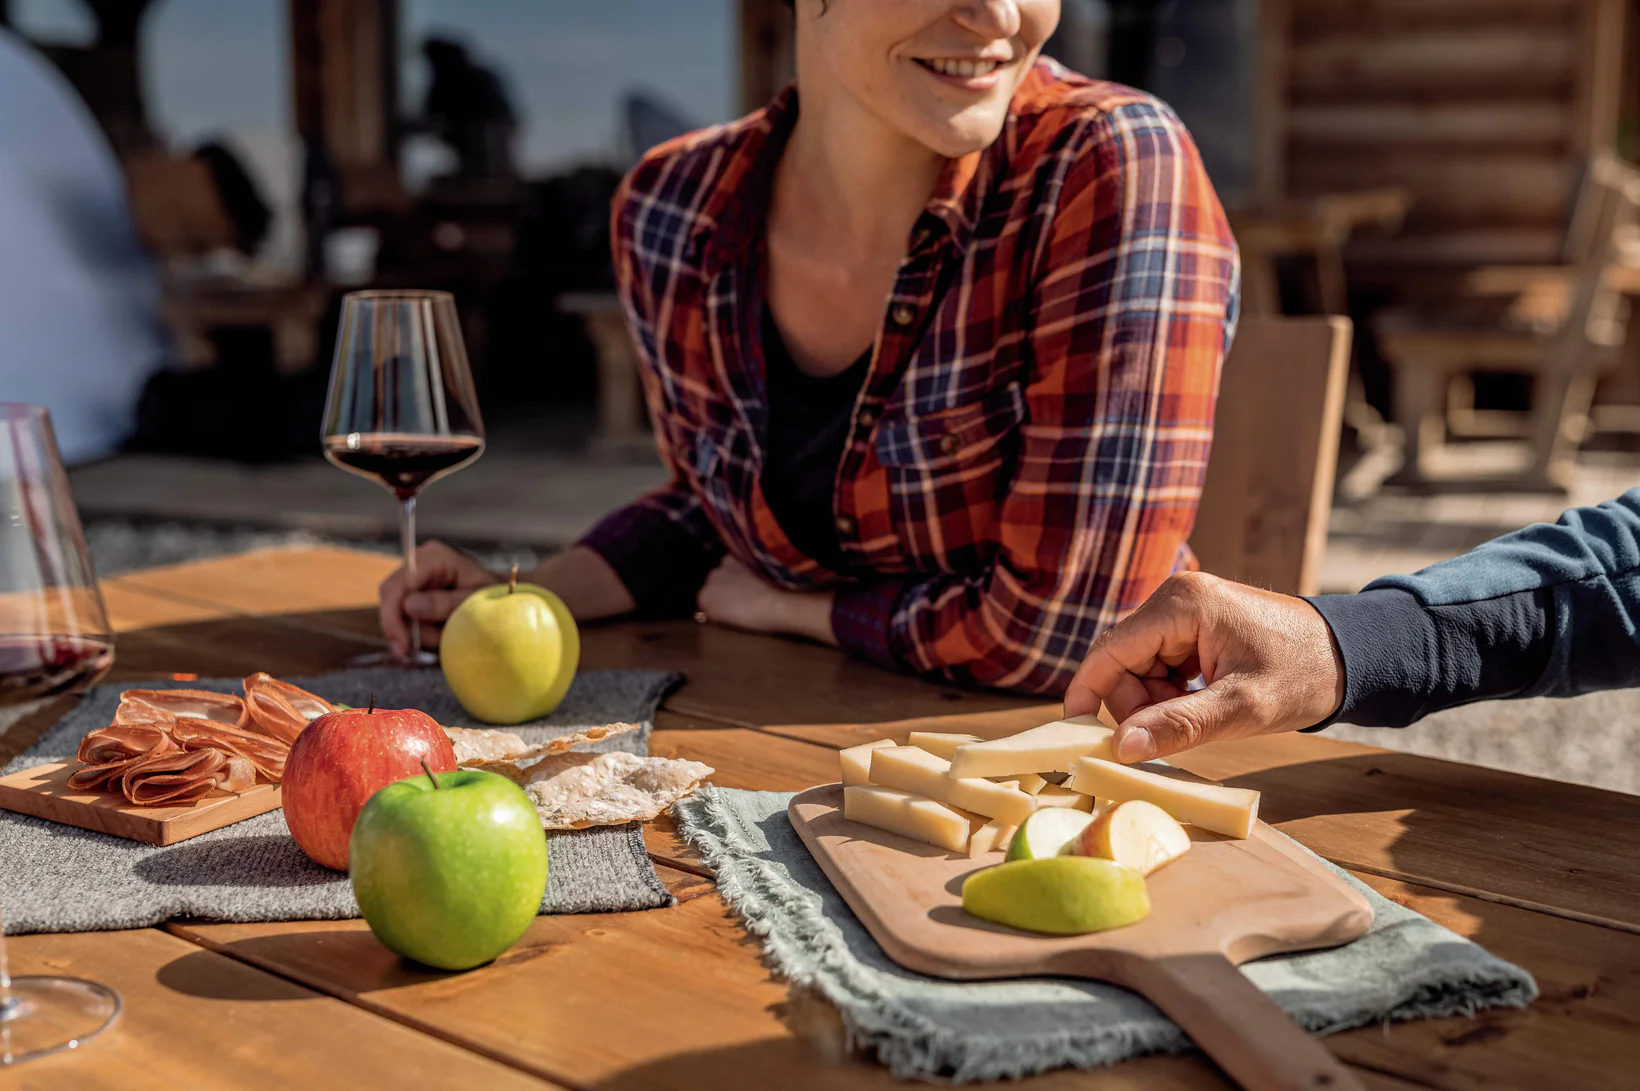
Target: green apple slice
(1060, 895)
(1047, 832)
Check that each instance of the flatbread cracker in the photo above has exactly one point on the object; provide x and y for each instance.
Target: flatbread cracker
(574, 791)
(487, 748)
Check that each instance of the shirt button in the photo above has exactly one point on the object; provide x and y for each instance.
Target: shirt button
(919, 238)
(868, 417)
(902, 315)
(949, 444)
(846, 525)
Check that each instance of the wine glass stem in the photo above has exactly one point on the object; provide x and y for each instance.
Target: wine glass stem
(407, 532)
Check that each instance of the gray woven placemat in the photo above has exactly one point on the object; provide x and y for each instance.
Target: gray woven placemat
(55, 878)
(1406, 967)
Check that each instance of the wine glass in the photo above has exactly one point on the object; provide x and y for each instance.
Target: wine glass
(54, 638)
(401, 409)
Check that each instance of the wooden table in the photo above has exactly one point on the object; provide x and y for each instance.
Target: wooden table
(1541, 873)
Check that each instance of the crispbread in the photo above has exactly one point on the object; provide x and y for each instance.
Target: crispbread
(492, 750)
(573, 791)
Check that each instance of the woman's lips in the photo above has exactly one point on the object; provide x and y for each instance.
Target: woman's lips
(970, 73)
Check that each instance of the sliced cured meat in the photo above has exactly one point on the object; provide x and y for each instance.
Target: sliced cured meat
(139, 704)
(280, 709)
(184, 777)
(266, 754)
(121, 743)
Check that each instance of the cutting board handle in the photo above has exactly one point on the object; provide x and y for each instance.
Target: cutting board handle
(1238, 1026)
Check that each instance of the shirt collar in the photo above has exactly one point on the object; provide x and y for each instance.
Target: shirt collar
(732, 218)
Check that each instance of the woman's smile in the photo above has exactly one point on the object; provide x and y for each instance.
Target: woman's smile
(968, 73)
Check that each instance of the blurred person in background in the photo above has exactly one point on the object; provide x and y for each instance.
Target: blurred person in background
(80, 327)
(931, 344)
(1549, 611)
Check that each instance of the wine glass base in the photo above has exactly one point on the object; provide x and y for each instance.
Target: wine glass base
(388, 659)
(42, 1015)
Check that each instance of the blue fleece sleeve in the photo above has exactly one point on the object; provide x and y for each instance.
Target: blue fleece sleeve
(1549, 611)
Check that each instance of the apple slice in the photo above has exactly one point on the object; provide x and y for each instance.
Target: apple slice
(1138, 834)
(1047, 833)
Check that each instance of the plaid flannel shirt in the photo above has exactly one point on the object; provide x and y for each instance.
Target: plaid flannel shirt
(1028, 449)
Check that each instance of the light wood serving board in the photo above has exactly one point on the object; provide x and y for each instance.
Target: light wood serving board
(44, 793)
(1222, 903)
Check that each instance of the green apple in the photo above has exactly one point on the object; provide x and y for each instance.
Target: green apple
(1060, 895)
(509, 652)
(1048, 832)
(449, 876)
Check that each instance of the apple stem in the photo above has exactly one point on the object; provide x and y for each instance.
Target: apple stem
(429, 771)
(512, 581)
(372, 709)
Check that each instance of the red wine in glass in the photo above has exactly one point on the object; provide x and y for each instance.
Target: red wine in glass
(35, 667)
(401, 462)
(54, 638)
(402, 409)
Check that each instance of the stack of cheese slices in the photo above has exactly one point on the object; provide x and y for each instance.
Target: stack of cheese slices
(967, 794)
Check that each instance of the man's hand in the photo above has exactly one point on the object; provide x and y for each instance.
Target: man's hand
(444, 578)
(735, 595)
(1270, 663)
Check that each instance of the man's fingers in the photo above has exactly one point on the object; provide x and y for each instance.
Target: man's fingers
(433, 605)
(1180, 723)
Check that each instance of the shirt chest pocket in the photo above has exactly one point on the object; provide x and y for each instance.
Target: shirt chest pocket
(952, 440)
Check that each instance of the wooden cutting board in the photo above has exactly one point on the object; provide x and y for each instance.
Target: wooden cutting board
(1223, 903)
(44, 793)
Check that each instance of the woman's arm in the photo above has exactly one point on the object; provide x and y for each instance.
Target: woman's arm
(1134, 299)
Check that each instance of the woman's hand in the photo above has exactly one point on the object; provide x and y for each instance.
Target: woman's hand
(444, 578)
(735, 595)
(1269, 661)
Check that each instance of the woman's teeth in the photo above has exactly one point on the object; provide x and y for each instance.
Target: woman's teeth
(961, 69)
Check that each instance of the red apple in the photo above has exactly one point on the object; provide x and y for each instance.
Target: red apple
(343, 758)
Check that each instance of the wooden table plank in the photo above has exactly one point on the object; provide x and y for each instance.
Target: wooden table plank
(1521, 840)
(196, 1019)
(674, 998)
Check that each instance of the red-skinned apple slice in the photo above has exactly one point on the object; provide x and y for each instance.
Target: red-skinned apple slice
(1138, 834)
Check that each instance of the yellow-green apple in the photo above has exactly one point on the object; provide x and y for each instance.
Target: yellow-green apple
(1047, 832)
(449, 870)
(341, 759)
(1136, 833)
(1061, 895)
(509, 652)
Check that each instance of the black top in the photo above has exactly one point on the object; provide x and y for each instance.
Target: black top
(1549, 611)
(809, 421)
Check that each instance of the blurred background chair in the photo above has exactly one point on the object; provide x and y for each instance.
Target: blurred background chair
(1264, 507)
(1565, 349)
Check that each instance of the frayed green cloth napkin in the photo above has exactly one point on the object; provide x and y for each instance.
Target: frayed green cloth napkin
(1406, 967)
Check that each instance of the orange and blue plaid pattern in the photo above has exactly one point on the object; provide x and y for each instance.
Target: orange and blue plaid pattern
(1029, 447)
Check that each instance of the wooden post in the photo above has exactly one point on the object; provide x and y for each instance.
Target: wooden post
(345, 82)
(766, 47)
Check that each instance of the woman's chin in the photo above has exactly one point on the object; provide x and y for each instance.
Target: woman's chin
(959, 133)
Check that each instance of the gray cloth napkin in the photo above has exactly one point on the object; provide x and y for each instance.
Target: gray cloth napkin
(56, 878)
(1406, 967)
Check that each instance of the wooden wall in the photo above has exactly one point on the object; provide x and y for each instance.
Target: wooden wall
(1485, 109)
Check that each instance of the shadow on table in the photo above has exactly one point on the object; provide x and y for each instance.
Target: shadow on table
(213, 977)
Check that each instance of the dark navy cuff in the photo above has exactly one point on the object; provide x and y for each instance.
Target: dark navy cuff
(862, 620)
(662, 562)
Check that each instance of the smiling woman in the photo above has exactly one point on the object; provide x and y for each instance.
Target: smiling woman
(931, 343)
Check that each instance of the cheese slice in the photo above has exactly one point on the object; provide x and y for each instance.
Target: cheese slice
(1003, 802)
(994, 835)
(1029, 783)
(910, 815)
(1230, 811)
(1040, 750)
(939, 743)
(856, 761)
(911, 769)
(1055, 796)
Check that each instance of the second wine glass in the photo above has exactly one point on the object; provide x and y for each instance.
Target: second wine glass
(402, 410)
